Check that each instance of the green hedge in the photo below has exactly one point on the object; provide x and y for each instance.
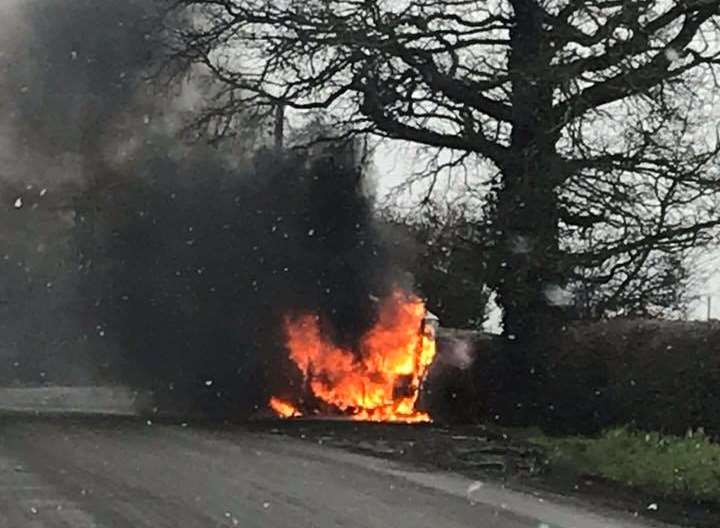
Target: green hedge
(656, 375)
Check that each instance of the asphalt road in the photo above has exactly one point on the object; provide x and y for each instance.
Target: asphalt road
(119, 472)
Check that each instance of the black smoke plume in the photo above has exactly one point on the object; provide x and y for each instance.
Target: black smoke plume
(77, 72)
(188, 258)
(199, 264)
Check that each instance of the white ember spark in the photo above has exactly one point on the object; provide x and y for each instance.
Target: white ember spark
(672, 54)
(472, 488)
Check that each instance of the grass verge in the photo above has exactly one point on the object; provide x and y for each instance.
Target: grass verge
(681, 468)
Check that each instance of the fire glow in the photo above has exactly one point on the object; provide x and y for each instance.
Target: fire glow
(380, 381)
(282, 408)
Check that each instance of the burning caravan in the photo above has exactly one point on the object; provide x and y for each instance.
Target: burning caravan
(380, 381)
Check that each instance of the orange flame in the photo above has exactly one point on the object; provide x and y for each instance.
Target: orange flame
(382, 381)
(282, 408)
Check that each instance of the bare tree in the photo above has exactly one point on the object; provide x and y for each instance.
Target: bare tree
(448, 263)
(594, 118)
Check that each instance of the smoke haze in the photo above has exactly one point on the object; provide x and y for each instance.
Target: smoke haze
(172, 267)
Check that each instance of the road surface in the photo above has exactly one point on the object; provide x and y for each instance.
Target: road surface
(123, 472)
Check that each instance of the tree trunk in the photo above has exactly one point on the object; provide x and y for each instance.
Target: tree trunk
(527, 253)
